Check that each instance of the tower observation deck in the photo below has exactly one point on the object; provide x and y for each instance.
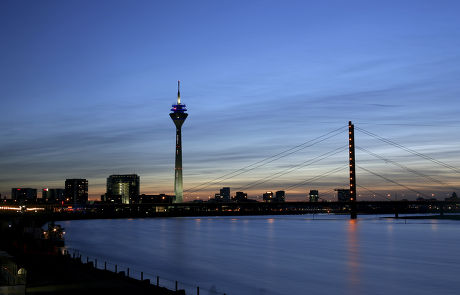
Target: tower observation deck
(178, 115)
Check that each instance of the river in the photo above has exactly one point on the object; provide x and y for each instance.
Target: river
(279, 255)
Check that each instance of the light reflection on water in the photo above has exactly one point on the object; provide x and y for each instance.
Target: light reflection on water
(282, 254)
(353, 257)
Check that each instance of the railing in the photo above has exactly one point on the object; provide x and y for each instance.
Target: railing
(9, 275)
(175, 285)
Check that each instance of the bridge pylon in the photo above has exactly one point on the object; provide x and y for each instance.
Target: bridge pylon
(351, 156)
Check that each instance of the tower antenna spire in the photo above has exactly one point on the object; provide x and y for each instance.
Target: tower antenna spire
(178, 91)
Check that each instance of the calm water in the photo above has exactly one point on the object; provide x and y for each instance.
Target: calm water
(282, 254)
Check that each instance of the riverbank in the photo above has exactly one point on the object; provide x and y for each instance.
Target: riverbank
(61, 274)
(48, 271)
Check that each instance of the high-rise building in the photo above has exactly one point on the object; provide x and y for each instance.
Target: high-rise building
(178, 116)
(277, 197)
(343, 195)
(24, 195)
(268, 197)
(76, 191)
(126, 186)
(53, 195)
(240, 197)
(280, 196)
(313, 196)
(225, 194)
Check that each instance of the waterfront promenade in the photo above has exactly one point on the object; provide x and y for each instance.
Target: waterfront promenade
(46, 268)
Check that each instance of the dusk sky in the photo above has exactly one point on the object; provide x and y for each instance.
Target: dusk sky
(87, 86)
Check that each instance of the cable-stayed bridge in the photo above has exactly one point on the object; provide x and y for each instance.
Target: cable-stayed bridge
(346, 170)
(348, 166)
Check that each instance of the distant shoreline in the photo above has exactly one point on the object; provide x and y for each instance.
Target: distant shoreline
(442, 217)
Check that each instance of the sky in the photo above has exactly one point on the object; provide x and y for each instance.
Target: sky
(87, 86)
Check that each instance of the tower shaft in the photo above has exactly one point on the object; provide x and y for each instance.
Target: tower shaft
(178, 182)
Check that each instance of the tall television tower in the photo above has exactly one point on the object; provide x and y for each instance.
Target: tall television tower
(178, 115)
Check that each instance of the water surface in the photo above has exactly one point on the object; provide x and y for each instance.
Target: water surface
(282, 254)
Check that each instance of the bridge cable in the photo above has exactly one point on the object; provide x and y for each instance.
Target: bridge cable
(326, 193)
(432, 179)
(426, 157)
(315, 178)
(267, 160)
(296, 167)
(392, 181)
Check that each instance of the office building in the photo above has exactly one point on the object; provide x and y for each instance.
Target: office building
(53, 195)
(313, 196)
(76, 191)
(217, 198)
(24, 195)
(268, 197)
(280, 196)
(125, 186)
(343, 195)
(240, 197)
(178, 116)
(225, 194)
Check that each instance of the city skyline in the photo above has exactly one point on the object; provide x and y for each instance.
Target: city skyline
(87, 88)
